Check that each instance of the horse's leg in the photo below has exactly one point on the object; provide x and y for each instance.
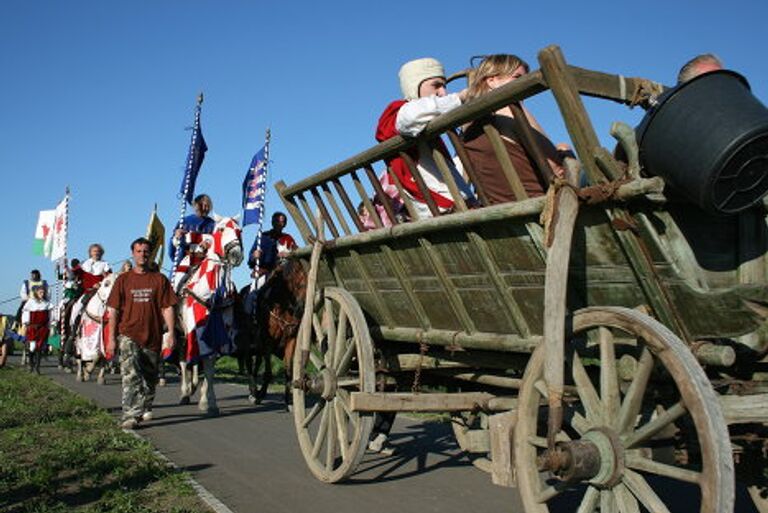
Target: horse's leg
(79, 375)
(161, 379)
(102, 362)
(207, 393)
(195, 379)
(253, 385)
(185, 383)
(290, 348)
(266, 378)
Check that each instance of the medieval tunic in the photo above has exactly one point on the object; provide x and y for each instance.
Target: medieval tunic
(409, 118)
(36, 315)
(92, 272)
(195, 226)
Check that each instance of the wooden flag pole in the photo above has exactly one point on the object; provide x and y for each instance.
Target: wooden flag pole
(187, 175)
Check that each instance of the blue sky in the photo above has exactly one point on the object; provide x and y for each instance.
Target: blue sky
(97, 95)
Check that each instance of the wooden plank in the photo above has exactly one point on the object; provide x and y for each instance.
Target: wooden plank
(530, 145)
(459, 339)
(502, 428)
(294, 212)
(425, 192)
(405, 283)
(745, 409)
(348, 205)
(383, 198)
(454, 299)
(572, 109)
(324, 212)
(366, 201)
(407, 201)
(510, 308)
(335, 206)
(466, 163)
(500, 151)
(308, 212)
(607, 86)
(384, 312)
(459, 204)
(427, 402)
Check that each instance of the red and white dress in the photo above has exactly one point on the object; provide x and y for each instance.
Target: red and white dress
(36, 316)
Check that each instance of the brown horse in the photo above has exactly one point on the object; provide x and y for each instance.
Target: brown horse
(274, 327)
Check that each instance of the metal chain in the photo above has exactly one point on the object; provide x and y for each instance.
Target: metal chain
(423, 348)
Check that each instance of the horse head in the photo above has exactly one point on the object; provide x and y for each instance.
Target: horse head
(227, 240)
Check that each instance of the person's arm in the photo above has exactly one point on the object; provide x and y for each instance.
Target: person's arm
(114, 317)
(23, 292)
(413, 117)
(25, 315)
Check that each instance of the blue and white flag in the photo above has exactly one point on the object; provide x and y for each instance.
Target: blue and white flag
(254, 189)
(195, 156)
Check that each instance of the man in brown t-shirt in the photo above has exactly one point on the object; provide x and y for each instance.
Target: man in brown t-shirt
(140, 302)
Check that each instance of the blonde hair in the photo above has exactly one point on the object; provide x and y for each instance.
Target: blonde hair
(492, 66)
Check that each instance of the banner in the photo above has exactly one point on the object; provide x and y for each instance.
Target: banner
(254, 189)
(44, 233)
(195, 156)
(59, 239)
(156, 235)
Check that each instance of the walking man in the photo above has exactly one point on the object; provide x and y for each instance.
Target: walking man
(140, 302)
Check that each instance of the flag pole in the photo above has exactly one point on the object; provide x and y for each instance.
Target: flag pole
(61, 265)
(187, 178)
(254, 278)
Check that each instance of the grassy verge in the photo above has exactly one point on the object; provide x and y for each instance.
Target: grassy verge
(60, 452)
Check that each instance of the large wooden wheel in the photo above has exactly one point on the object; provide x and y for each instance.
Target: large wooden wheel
(641, 419)
(332, 437)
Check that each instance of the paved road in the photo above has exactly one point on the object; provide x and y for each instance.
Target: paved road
(250, 460)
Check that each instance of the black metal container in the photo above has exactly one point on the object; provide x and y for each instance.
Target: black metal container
(708, 138)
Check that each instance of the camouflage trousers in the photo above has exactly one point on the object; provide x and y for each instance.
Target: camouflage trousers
(139, 369)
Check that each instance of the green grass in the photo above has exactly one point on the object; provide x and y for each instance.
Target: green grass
(59, 452)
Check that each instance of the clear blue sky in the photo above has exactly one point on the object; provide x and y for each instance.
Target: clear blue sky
(96, 95)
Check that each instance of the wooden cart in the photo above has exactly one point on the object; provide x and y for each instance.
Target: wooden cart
(593, 356)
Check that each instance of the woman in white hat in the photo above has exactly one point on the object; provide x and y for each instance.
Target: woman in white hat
(422, 82)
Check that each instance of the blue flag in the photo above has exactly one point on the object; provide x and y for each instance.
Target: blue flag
(254, 189)
(197, 149)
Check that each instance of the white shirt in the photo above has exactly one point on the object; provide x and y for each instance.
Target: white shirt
(96, 267)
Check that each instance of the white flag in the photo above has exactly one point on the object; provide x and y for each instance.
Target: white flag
(44, 233)
(59, 244)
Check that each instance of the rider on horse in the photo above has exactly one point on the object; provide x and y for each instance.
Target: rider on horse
(187, 238)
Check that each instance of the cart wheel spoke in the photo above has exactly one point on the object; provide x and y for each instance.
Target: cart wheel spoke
(633, 399)
(548, 493)
(322, 430)
(346, 360)
(644, 493)
(341, 428)
(638, 462)
(317, 408)
(340, 344)
(589, 501)
(655, 425)
(625, 500)
(607, 502)
(580, 424)
(609, 379)
(330, 329)
(586, 391)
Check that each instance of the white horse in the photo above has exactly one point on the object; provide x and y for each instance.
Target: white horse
(206, 310)
(92, 331)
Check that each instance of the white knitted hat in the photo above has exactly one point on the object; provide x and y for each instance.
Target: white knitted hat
(413, 73)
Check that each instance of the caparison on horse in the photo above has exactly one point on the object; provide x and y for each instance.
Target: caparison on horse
(205, 311)
(273, 328)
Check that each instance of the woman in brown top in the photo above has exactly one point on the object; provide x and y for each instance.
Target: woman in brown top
(493, 72)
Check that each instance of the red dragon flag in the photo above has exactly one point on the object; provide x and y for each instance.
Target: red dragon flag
(44, 233)
(60, 220)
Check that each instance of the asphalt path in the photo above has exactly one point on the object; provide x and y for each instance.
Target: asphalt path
(249, 458)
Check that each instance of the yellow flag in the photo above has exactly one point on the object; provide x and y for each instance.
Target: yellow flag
(156, 235)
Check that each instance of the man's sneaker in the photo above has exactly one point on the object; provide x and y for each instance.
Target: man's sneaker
(146, 416)
(130, 424)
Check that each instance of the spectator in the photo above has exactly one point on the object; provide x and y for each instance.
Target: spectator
(140, 302)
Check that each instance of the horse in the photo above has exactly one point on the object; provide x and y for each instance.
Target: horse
(274, 327)
(90, 317)
(205, 309)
